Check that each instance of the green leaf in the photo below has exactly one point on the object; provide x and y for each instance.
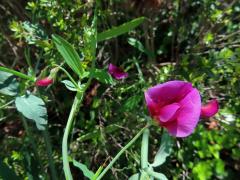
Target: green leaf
(131, 102)
(225, 53)
(33, 108)
(69, 85)
(8, 84)
(137, 44)
(135, 177)
(97, 173)
(102, 76)
(86, 172)
(69, 54)
(164, 150)
(119, 30)
(157, 175)
(6, 172)
(202, 170)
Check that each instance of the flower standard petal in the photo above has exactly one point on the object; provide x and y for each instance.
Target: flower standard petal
(209, 109)
(169, 92)
(116, 72)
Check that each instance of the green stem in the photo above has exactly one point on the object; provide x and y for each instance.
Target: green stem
(75, 108)
(144, 149)
(28, 59)
(5, 105)
(140, 74)
(50, 154)
(121, 152)
(16, 73)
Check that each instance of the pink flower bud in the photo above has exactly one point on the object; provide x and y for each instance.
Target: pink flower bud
(44, 82)
(116, 72)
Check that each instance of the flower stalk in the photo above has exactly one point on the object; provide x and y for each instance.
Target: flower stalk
(121, 152)
(75, 108)
(144, 148)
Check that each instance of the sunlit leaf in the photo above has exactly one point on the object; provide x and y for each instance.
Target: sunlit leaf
(69, 54)
(119, 30)
(33, 108)
(157, 175)
(164, 150)
(8, 84)
(84, 169)
(135, 177)
(69, 85)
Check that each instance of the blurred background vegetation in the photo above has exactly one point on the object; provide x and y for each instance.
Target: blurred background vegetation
(194, 40)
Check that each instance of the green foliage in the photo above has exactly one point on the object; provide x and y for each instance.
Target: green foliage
(164, 150)
(69, 85)
(102, 76)
(32, 108)
(69, 54)
(196, 41)
(8, 84)
(87, 173)
(119, 30)
(135, 177)
(6, 172)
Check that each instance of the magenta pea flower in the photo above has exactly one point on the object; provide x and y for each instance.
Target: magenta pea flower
(176, 105)
(210, 109)
(44, 82)
(116, 72)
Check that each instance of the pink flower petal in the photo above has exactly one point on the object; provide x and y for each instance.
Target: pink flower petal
(167, 112)
(209, 109)
(169, 92)
(116, 72)
(151, 105)
(44, 82)
(188, 115)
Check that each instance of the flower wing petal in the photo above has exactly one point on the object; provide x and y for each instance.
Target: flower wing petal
(168, 112)
(188, 116)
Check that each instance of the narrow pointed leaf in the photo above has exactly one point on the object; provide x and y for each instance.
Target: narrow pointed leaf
(86, 172)
(119, 30)
(69, 85)
(69, 54)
